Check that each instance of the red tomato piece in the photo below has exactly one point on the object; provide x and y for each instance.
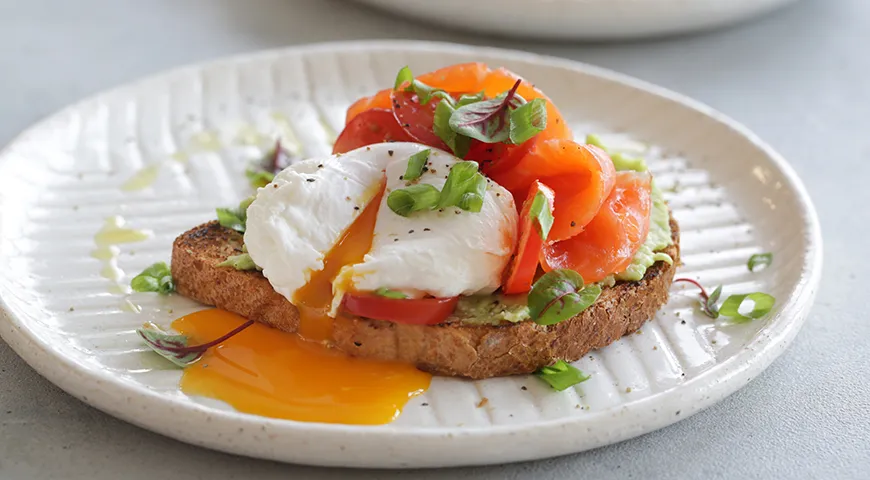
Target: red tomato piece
(497, 157)
(581, 175)
(613, 237)
(380, 100)
(369, 127)
(524, 264)
(464, 77)
(417, 311)
(417, 119)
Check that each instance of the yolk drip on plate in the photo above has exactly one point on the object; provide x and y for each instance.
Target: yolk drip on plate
(314, 300)
(297, 376)
(268, 372)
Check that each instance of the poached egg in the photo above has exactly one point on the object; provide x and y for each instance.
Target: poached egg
(444, 252)
(323, 228)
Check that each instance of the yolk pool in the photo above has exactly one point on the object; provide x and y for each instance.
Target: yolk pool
(276, 374)
(297, 376)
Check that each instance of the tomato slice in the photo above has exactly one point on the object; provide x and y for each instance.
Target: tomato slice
(611, 239)
(497, 157)
(416, 311)
(524, 265)
(463, 77)
(581, 175)
(417, 119)
(501, 80)
(380, 100)
(369, 127)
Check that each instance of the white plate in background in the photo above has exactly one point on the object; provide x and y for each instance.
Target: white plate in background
(580, 19)
(193, 130)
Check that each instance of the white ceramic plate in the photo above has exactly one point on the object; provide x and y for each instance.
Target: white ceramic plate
(580, 19)
(191, 132)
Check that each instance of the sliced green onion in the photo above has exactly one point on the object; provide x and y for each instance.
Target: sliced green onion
(528, 120)
(467, 99)
(763, 303)
(463, 178)
(416, 164)
(459, 144)
(403, 76)
(759, 261)
(561, 375)
(541, 215)
(386, 292)
(472, 200)
(405, 201)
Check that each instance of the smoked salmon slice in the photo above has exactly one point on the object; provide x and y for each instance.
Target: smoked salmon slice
(582, 176)
(609, 242)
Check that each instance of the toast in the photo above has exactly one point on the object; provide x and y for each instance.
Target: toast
(451, 348)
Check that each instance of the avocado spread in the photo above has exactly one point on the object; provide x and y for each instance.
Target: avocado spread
(491, 309)
(495, 309)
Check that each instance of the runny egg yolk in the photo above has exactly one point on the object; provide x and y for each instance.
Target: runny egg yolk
(314, 300)
(297, 376)
(275, 374)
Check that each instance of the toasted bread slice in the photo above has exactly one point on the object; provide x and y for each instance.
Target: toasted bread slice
(452, 348)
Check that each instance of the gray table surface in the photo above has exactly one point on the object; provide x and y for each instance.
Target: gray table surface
(799, 78)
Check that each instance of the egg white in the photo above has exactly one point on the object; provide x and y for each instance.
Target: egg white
(444, 252)
(297, 219)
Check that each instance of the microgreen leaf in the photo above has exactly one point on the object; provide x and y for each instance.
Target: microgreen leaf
(542, 216)
(235, 218)
(463, 178)
(763, 303)
(263, 171)
(705, 298)
(759, 261)
(528, 120)
(416, 164)
(240, 262)
(403, 76)
(488, 120)
(231, 218)
(174, 347)
(710, 308)
(168, 345)
(459, 144)
(562, 375)
(386, 292)
(559, 295)
(157, 278)
(404, 201)
(259, 178)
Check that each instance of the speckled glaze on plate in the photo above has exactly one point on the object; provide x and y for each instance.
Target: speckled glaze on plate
(580, 19)
(98, 191)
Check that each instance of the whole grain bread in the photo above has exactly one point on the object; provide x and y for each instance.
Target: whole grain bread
(451, 348)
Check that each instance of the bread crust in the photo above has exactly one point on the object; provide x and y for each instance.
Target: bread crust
(450, 349)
